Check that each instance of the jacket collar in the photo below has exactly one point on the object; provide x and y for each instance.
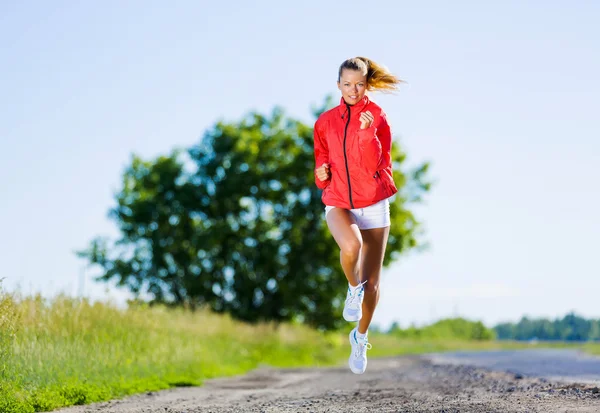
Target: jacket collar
(358, 107)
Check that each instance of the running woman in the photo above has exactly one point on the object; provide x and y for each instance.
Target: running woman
(352, 145)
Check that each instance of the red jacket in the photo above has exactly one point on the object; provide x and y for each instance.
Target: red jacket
(359, 160)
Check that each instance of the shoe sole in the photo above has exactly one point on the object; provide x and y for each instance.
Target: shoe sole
(352, 319)
(350, 358)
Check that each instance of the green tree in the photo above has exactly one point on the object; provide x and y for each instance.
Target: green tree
(505, 331)
(570, 328)
(235, 223)
(448, 328)
(594, 330)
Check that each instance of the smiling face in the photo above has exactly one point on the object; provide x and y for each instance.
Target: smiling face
(353, 85)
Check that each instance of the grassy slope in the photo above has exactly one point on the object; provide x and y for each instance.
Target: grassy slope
(74, 352)
(71, 352)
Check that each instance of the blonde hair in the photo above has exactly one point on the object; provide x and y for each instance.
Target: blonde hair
(379, 78)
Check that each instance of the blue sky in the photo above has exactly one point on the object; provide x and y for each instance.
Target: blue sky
(502, 99)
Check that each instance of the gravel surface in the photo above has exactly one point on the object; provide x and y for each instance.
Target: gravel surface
(404, 384)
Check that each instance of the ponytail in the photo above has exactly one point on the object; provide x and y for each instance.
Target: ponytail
(379, 78)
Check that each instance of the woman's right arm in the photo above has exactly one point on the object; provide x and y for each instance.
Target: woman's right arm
(321, 154)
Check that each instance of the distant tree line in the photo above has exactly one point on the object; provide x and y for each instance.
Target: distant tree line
(570, 328)
(450, 328)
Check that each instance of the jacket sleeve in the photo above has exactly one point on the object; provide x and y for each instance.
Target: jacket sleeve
(375, 144)
(321, 155)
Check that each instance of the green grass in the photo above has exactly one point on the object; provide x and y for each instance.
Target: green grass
(390, 346)
(72, 352)
(67, 352)
(592, 348)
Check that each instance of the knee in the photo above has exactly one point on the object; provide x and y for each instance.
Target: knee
(351, 247)
(371, 287)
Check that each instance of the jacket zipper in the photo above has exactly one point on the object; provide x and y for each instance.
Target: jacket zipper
(346, 158)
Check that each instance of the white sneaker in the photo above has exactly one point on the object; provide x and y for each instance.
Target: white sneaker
(353, 304)
(358, 356)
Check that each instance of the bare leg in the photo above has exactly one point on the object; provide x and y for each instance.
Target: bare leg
(373, 251)
(348, 237)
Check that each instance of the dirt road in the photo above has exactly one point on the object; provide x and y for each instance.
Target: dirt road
(405, 384)
(554, 364)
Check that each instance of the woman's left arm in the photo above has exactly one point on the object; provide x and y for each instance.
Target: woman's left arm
(375, 143)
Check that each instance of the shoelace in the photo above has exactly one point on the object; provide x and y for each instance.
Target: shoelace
(363, 346)
(353, 298)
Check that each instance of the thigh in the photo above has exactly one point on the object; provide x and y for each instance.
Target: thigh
(342, 226)
(373, 251)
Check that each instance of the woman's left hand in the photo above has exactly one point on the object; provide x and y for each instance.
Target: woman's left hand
(366, 119)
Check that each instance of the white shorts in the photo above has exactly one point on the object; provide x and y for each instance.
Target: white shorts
(373, 216)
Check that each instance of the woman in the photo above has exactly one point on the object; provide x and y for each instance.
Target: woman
(352, 145)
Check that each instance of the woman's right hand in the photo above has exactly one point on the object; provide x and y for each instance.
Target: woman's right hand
(323, 172)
